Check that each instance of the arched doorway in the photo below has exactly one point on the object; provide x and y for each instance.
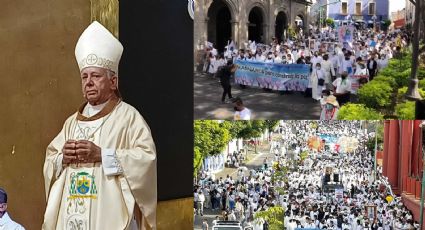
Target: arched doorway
(219, 27)
(255, 27)
(281, 26)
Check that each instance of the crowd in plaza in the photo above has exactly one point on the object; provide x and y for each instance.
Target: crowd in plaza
(337, 68)
(308, 196)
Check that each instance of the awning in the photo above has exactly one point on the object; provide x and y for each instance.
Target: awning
(399, 23)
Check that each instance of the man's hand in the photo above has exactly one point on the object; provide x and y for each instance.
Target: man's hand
(69, 154)
(87, 152)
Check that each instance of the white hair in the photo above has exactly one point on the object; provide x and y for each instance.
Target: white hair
(110, 73)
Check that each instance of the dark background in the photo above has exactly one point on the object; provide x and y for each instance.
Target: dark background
(157, 79)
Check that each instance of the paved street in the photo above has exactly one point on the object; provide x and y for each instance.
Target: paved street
(255, 162)
(263, 104)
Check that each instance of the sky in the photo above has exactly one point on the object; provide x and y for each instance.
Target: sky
(396, 5)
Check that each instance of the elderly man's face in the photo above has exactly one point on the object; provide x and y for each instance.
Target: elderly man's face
(97, 86)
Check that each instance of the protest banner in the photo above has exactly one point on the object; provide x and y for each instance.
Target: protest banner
(273, 76)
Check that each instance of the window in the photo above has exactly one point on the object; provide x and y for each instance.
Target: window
(344, 9)
(358, 8)
(372, 8)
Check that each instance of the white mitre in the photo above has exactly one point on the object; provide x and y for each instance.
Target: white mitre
(97, 47)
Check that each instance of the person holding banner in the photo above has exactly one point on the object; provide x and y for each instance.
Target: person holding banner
(289, 59)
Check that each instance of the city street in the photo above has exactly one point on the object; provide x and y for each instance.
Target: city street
(263, 104)
(318, 167)
(255, 163)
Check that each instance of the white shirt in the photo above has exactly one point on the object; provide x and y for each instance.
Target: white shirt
(342, 87)
(6, 223)
(245, 114)
(382, 63)
(328, 67)
(315, 60)
(269, 60)
(360, 71)
(201, 197)
(346, 65)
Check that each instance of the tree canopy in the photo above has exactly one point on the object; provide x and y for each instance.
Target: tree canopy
(211, 137)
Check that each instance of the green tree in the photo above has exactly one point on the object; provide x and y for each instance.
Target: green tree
(197, 161)
(280, 174)
(406, 111)
(358, 112)
(252, 129)
(385, 25)
(210, 138)
(377, 126)
(234, 128)
(330, 22)
(274, 216)
(271, 125)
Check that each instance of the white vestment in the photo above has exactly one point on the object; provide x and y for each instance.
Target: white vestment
(107, 194)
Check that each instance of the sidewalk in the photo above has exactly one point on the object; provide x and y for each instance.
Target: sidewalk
(254, 160)
(263, 104)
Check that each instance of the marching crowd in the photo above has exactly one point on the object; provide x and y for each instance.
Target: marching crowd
(337, 68)
(307, 195)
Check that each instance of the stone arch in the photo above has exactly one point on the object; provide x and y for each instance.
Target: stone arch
(258, 20)
(232, 7)
(219, 17)
(281, 24)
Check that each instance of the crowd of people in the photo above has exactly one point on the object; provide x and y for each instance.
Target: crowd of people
(337, 68)
(307, 195)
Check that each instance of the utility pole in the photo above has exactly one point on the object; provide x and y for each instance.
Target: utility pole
(321, 8)
(413, 92)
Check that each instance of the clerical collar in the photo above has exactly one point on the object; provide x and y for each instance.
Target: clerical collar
(4, 219)
(107, 108)
(90, 110)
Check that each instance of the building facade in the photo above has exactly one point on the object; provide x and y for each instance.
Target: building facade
(402, 161)
(218, 21)
(399, 18)
(355, 10)
(410, 13)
